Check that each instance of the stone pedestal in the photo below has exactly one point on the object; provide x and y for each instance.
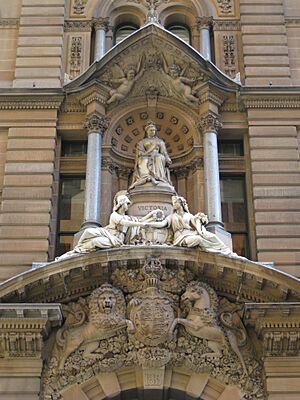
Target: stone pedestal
(148, 197)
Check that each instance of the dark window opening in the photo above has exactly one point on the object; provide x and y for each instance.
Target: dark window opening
(181, 31)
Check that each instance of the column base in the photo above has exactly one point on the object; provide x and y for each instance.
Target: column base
(219, 230)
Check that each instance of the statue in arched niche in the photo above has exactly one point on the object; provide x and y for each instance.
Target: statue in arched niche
(152, 159)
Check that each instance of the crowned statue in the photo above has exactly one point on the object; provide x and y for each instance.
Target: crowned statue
(152, 160)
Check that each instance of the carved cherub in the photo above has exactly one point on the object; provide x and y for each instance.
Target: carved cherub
(126, 82)
(184, 86)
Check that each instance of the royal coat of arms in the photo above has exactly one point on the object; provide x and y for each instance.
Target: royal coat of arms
(152, 315)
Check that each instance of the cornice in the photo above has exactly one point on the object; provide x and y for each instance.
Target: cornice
(30, 102)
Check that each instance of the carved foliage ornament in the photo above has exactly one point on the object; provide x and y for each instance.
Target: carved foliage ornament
(75, 55)
(229, 49)
(225, 6)
(79, 6)
(209, 122)
(96, 123)
(182, 324)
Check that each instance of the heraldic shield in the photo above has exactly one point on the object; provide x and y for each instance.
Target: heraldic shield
(152, 315)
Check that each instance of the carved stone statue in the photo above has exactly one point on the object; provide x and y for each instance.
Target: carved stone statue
(121, 226)
(125, 83)
(152, 159)
(201, 302)
(184, 86)
(105, 318)
(201, 319)
(189, 230)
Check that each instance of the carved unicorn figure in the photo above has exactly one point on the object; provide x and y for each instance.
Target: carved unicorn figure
(201, 321)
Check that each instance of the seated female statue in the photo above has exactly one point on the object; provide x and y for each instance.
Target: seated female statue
(122, 229)
(189, 230)
(151, 160)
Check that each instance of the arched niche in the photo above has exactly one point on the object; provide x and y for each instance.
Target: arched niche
(175, 126)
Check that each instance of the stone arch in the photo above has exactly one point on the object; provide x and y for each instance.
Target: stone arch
(107, 8)
(130, 383)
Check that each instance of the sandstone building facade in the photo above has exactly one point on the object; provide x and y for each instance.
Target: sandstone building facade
(79, 79)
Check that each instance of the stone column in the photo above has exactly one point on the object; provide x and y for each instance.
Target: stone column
(101, 27)
(204, 24)
(209, 125)
(96, 126)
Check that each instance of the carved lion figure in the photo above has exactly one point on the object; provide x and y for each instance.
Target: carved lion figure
(105, 317)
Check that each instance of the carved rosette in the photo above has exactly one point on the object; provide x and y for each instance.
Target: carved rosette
(209, 122)
(96, 123)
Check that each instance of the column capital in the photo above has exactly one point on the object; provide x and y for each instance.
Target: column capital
(209, 122)
(101, 23)
(204, 22)
(96, 123)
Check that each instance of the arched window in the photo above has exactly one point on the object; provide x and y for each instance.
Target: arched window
(124, 30)
(181, 31)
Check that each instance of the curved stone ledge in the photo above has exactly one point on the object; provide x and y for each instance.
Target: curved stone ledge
(66, 280)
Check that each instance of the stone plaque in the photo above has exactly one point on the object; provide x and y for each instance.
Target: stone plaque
(153, 377)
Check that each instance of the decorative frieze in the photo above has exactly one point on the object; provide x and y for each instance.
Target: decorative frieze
(9, 23)
(226, 7)
(96, 123)
(23, 326)
(272, 102)
(292, 21)
(78, 26)
(229, 25)
(277, 326)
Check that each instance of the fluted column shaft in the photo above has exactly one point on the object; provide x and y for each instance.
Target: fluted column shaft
(101, 26)
(96, 126)
(204, 24)
(209, 125)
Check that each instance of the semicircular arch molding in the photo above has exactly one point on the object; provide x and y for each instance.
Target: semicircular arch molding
(130, 383)
(108, 8)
